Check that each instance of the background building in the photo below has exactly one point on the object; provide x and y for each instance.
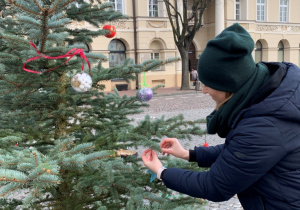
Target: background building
(273, 24)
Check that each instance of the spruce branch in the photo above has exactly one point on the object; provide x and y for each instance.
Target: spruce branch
(38, 5)
(23, 8)
(10, 189)
(11, 82)
(52, 10)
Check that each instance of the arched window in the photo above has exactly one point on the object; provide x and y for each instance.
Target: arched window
(156, 48)
(280, 52)
(258, 52)
(117, 53)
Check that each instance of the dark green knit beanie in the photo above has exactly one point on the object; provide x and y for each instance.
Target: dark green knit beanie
(226, 63)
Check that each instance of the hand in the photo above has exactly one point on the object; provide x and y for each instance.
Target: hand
(151, 160)
(171, 146)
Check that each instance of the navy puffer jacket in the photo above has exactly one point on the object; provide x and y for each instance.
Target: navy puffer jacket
(260, 159)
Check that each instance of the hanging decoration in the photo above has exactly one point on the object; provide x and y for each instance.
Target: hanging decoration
(145, 93)
(125, 153)
(153, 175)
(111, 31)
(81, 82)
(205, 142)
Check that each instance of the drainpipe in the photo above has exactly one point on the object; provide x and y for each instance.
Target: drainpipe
(135, 41)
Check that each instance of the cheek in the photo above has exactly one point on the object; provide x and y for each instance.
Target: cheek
(223, 99)
(219, 97)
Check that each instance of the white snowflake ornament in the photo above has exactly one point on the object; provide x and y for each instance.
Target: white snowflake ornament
(81, 82)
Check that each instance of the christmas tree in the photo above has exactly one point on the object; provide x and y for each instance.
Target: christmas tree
(64, 149)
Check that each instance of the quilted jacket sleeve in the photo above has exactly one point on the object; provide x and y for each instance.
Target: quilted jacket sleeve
(205, 156)
(254, 148)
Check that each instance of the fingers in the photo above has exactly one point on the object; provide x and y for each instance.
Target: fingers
(168, 142)
(154, 155)
(145, 155)
(165, 142)
(166, 145)
(166, 151)
(149, 155)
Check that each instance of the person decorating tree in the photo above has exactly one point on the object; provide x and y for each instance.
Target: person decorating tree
(258, 112)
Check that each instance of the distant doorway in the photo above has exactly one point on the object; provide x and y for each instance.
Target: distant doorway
(192, 58)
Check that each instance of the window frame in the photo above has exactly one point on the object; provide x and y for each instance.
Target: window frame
(115, 2)
(258, 51)
(151, 8)
(281, 6)
(238, 8)
(117, 52)
(154, 57)
(280, 51)
(262, 7)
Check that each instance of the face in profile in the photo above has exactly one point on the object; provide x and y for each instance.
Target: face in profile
(218, 96)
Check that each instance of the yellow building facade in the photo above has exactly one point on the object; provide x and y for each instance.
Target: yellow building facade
(273, 24)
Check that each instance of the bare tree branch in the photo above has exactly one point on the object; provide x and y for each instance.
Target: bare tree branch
(185, 17)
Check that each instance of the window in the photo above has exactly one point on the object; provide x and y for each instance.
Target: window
(283, 16)
(157, 47)
(241, 10)
(153, 8)
(237, 10)
(260, 10)
(258, 52)
(280, 52)
(155, 56)
(117, 52)
(118, 5)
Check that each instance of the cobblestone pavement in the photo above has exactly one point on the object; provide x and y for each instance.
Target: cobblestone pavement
(193, 105)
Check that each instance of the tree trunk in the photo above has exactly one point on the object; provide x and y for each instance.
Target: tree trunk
(61, 122)
(185, 77)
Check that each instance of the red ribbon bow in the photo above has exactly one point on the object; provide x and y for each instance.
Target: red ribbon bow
(70, 54)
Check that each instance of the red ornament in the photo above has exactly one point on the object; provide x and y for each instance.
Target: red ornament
(112, 31)
(205, 144)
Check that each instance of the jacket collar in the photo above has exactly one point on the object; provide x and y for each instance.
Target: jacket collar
(278, 72)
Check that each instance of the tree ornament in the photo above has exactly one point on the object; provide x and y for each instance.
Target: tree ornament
(112, 31)
(153, 175)
(145, 94)
(125, 153)
(205, 144)
(69, 55)
(81, 82)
